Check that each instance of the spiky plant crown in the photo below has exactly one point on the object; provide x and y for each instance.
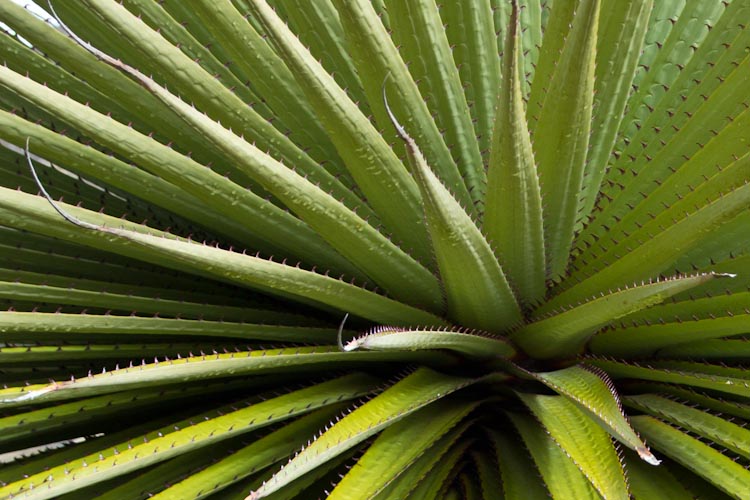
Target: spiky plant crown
(535, 216)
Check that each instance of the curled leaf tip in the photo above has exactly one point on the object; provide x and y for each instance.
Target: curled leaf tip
(340, 331)
(65, 215)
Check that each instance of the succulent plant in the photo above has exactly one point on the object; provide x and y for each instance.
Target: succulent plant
(375, 249)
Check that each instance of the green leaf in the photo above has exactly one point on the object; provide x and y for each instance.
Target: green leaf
(700, 458)
(566, 332)
(433, 483)
(417, 29)
(563, 478)
(520, 477)
(248, 460)
(318, 26)
(619, 46)
(726, 380)
(252, 58)
(561, 136)
(376, 58)
(119, 90)
(648, 482)
(478, 293)
(68, 293)
(714, 428)
(471, 343)
(374, 166)
(471, 33)
(195, 367)
(347, 232)
(594, 392)
(421, 473)
(224, 196)
(647, 339)
(718, 349)
(32, 212)
(582, 440)
(490, 480)
(174, 440)
(88, 415)
(387, 457)
(119, 327)
(513, 208)
(413, 392)
(210, 94)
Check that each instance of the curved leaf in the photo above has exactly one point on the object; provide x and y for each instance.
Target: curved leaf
(582, 440)
(594, 393)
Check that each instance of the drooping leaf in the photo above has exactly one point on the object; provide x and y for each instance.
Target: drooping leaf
(585, 443)
(594, 392)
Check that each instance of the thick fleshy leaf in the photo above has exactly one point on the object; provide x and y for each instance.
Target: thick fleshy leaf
(33, 213)
(213, 189)
(209, 93)
(700, 458)
(654, 482)
(646, 339)
(582, 440)
(192, 367)
(374, 166)
(250, 459)
(421, 473)
(565, 333)
(185, 436)
(376, 58)
(714, 377)
(620, 43)
(513, 208)
(119, 327)
(350, 234)
(413, 392)
(387, 457)
(417, 29)
(561, 136)
(471, 33)
(594, 393)
(478, 293)
(560, 474)
(718, 430)
(476, 344)
(519, 474)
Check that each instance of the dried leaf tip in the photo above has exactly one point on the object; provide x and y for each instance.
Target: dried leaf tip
(340, 331)
(647, 456)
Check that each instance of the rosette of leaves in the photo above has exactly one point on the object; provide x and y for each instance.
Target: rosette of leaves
(535, 216)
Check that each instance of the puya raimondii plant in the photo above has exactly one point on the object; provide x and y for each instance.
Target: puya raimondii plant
(534, 214)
